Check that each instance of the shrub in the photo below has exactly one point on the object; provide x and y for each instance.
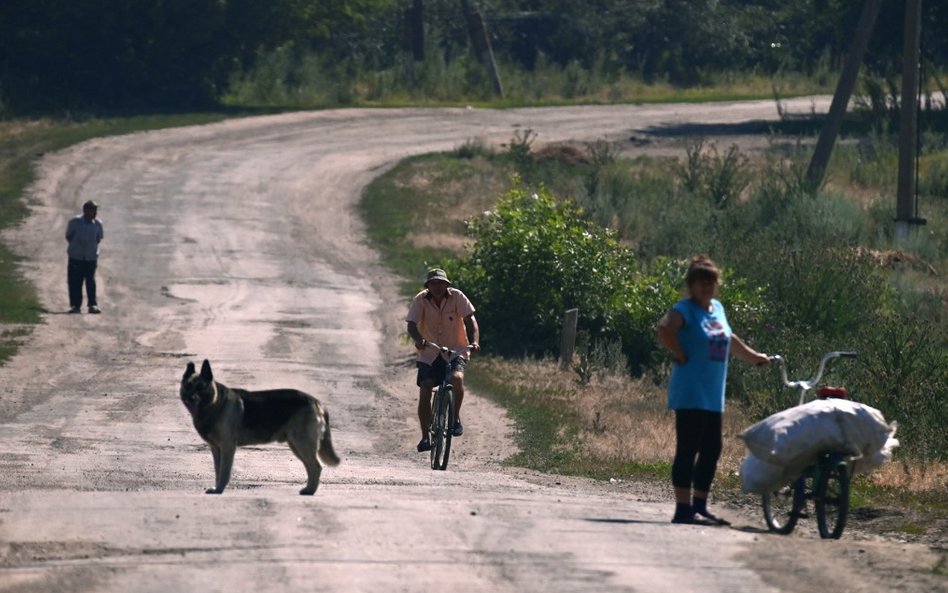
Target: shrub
(532, 259)
(719, 179)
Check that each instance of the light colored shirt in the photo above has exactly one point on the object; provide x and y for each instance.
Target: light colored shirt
(705, 338)
(442, 325)
(84, 237)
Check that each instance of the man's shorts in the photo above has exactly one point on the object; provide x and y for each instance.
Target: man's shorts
(435, 372)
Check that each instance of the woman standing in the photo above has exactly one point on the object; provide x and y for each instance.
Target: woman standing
(697, 334)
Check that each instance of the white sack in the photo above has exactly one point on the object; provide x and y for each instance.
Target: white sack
(761, 477)
(792, 438)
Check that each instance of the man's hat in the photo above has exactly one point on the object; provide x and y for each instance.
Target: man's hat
(436, 274)
(90, 205)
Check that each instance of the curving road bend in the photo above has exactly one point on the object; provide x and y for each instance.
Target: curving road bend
(239, 242)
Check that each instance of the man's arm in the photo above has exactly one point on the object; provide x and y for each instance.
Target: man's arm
(70, 230)
(473, 332)
(416, 335)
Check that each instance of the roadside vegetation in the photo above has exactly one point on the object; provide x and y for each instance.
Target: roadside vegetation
(537, 229)
(562, 226)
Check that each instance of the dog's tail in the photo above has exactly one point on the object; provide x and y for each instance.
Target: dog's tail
(326, 453)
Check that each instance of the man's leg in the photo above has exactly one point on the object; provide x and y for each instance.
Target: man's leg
(424, 409)
(89, 275)
(74, 281)
(458, 382)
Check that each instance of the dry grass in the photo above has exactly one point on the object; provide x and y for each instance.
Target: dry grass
(624, 420)
(916, 478)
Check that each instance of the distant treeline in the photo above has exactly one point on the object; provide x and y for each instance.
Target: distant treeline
(180, 54)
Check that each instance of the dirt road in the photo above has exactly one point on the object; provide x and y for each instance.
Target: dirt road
(238, 242)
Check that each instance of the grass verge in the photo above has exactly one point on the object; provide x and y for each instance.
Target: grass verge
(612, 426)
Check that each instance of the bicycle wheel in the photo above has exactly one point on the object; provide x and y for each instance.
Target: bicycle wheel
(832, 497)
(443, 413)
(784, 506)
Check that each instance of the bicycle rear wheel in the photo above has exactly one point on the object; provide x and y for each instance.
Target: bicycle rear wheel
(784, 506)
(832, 497)
(441, 433)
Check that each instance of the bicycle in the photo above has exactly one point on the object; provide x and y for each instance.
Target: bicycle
(442, 411)
(825, 480)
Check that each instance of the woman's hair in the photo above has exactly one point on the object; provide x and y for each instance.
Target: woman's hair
(702, 267)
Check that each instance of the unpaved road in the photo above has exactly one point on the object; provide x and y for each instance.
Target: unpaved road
(238, 242)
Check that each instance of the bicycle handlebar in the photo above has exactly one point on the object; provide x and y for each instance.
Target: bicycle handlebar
(445, 350)
(808, 384)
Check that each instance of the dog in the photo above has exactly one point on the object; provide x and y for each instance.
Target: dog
(228, 418)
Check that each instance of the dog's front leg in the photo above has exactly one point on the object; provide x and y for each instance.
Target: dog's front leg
(216, 454)
(223, 463)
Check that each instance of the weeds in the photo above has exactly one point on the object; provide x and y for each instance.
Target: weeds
(719, 179)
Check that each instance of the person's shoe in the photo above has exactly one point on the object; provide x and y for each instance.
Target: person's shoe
(691, 520)
(458, 428)
(424, 445)
(715, 520)
(95, 310)
(73, 310)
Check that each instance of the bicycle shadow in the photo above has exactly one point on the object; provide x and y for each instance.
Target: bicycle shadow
(743, 528)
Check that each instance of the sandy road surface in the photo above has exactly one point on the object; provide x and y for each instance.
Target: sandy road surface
(238, 242)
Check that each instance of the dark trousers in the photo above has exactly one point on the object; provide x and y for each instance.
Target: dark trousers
(698, 448)
(80, 271)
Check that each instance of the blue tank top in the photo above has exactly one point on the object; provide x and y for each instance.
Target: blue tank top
(706, 339)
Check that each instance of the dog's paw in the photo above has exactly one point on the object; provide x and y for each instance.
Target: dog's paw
(214, 491)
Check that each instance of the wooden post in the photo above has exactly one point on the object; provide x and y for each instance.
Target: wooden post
(568, 341)
(844, 91)
(478, 33)
(905, 214)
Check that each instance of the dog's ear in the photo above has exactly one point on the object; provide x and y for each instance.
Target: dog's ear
(206, 373)
(188, 371)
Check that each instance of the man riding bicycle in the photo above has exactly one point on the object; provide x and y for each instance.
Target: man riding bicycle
(443, 315)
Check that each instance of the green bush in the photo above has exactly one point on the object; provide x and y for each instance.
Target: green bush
(534, 258)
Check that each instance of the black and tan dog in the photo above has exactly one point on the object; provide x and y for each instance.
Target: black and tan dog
(229, 418)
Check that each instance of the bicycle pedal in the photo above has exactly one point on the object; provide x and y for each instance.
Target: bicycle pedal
(802, 515)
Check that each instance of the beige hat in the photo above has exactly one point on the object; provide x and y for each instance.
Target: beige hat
(436, 274)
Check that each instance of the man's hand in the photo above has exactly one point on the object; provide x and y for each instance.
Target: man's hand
(475, 347)
(420, 344)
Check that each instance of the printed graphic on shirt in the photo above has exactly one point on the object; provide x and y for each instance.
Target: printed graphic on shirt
(717, 339)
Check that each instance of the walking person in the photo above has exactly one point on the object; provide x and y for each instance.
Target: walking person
(445, 316)
(83, 233)
(697, 334)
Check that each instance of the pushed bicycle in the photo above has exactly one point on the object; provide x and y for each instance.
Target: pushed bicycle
(825, 480)
(442, 410)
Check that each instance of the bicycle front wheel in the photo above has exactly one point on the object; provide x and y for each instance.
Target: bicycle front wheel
(441, 433)
(832, 497)
(784, 506)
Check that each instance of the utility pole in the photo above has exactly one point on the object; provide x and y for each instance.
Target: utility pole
(414, 37)
(844, 90)
(906, 213)
(478, 33)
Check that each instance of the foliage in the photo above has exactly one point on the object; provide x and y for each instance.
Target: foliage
(719, 179)
(120, 55)
(173, 54)
(543, 254)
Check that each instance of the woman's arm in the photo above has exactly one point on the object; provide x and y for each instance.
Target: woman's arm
(668, 327)
(746, 353)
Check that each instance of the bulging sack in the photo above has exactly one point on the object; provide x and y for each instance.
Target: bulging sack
(792, 437)
(761, 477)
